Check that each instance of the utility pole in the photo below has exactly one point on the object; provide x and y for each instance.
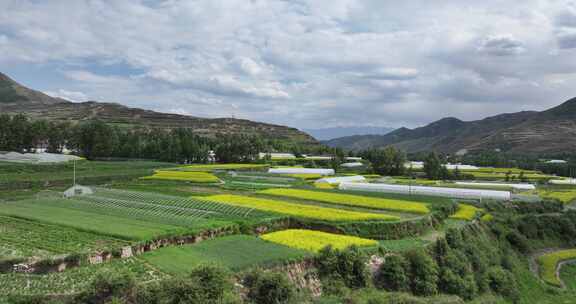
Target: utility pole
(74, 179)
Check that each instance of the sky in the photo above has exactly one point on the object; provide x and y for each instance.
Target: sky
(306, 64)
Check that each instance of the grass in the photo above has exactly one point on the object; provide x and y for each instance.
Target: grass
(195, 177)
(298, 210)
(23, 238)
(351, 200)
(314, 241)
(549, 263)
(47, 211)
(465, 212)
(403, 244)
(234, 252)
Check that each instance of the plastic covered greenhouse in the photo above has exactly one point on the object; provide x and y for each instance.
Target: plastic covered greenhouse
(432, 191)
(514, 186)
(341, 179)
(301, 171)
(568, 181)
(352, 165)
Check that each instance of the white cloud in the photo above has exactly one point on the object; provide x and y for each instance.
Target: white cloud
(68, 95)
(303, 63)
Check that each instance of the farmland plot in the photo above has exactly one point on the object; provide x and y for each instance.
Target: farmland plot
(465, 212)
(234, 252)
(298, 210)
(351, 200)
(549, 263)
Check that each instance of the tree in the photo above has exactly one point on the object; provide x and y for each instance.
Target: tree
(433, 166)
(392, 274)
(423, 273)
(389, 161)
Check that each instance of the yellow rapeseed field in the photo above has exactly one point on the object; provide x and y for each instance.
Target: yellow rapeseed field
(465, 212)
(351, 200)
(298, 210)
(196, 177)
(566, 196)
(549, 262)
(315, 240)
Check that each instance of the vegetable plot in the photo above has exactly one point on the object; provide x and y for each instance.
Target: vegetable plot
(298, 210)
(351, 200)
(315, 240)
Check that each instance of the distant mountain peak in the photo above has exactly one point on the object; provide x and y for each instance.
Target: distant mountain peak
(528, 132)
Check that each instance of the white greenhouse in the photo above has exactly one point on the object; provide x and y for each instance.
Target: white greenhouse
(352, 165)
(341, 179)
(432, 191)
(568, 181)
(277, 155)
(301, 171)
(514, 186)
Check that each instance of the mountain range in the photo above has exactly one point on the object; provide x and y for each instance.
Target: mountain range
(16, 98)
(529, 132)
(336, 132)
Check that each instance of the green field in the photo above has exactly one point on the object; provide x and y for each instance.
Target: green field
(87, 221)
(86, 172)
(23, 238)
(234, 252)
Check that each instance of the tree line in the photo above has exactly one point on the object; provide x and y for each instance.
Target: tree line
(97, 139)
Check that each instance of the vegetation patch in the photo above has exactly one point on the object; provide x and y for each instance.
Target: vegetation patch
(234, 252)
(298, 210)
(351, 200)
(549, 265)
(315, 240)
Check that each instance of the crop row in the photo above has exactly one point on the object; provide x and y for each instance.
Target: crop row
(27, 238)
(168, 200)
(298, 210)
(315, 240)
(351, 200)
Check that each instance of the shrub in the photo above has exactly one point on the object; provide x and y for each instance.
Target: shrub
(268, 287)
(502, 282)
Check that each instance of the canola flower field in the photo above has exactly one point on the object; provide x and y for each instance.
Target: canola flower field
(351, 200)
(466, 212)
(195, 177)
(315, 240)
(549, 263)
(298, 210)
